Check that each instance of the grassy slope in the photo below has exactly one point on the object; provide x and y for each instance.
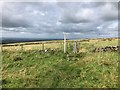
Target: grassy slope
(53, 70)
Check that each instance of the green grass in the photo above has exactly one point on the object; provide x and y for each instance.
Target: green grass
(34, 69)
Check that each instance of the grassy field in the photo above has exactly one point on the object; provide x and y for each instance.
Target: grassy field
(31, 68)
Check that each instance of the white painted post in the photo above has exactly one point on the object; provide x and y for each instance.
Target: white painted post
(64, 43)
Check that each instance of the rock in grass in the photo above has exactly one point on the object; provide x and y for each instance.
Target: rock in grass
(70, 56)
(17, 58)
(75, 57)
(106, 63)
(4, 81)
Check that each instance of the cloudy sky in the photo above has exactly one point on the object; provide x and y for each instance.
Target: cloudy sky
(51, 19)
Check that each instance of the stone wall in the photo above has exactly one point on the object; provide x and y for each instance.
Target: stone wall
(107, 48)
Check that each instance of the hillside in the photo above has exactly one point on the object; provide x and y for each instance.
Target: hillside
(32, 67)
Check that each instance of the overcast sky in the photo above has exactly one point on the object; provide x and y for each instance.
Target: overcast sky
(51, 19)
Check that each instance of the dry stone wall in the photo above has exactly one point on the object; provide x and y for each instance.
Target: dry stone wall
(107, 48)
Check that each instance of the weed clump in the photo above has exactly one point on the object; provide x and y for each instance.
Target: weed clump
(106, 63)
(75, 56)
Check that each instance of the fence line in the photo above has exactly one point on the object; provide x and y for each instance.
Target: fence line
(21, 44)
(43, 45)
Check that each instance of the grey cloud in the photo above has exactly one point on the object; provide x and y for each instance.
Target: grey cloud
(109, 11)
(109, 17)
(89, 12)
(76, 16)
(11, 22)
(51, 18)
(72, 18)
(12, 17)
(77, 28)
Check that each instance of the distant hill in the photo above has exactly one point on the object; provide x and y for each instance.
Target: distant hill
(18, 40)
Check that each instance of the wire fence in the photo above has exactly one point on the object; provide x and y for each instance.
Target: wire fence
(38, 45)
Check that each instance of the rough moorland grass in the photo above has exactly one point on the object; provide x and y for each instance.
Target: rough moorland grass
(32, 68)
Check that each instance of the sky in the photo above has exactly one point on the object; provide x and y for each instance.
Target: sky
(52, 19)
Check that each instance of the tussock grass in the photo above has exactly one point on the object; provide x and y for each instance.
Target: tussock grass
(53, 70)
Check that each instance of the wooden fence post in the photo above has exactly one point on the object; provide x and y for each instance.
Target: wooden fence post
(78, 46)
(67, 44)
(60, 45)
(42, 46)
(1, 48)
(21, 47)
